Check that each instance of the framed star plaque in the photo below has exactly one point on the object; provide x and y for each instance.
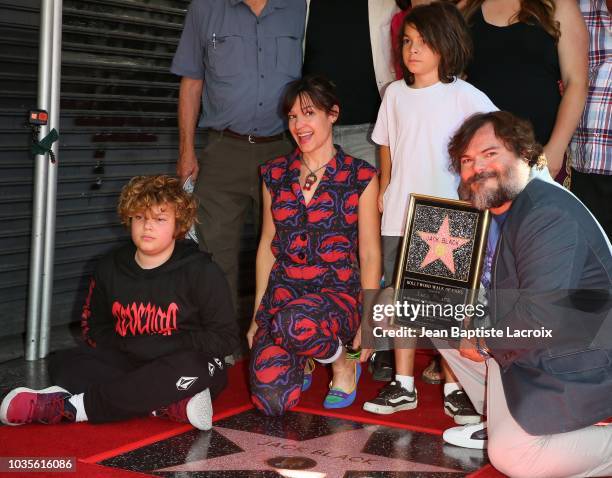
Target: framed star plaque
(440, 261)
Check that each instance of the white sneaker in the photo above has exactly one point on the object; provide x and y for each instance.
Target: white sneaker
(467, 436)
(199, 410)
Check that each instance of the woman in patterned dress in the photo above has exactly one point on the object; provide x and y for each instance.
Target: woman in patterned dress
(320, 245)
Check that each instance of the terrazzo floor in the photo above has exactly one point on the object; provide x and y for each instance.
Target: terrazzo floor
(300, 445)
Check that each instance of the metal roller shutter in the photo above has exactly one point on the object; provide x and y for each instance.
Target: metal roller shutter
(118, 119)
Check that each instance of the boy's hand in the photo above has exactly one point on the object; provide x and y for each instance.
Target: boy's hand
(251, 333)
(380, 201)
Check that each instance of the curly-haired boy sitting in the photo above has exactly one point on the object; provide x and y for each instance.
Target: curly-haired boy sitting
(157, 323)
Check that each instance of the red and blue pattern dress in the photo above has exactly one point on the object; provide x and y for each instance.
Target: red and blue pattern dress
(312, 301)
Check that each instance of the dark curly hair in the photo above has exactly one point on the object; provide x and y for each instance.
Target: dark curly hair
(145, 192)
(443, 28)
(515, 133)
(320, 91)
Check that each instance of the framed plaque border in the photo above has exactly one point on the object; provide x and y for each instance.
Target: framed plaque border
(480, 242)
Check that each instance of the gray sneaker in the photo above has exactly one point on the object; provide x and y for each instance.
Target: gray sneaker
(200, 411)
(196, 410)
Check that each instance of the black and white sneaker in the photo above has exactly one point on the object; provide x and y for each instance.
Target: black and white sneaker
(392, 398)
(457, 405)
(467, 436)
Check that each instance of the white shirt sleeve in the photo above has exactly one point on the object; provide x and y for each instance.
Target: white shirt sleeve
(380, 134)
(480, 102)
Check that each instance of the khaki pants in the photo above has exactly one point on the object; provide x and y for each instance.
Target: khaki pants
(580, 453)
(228, 187)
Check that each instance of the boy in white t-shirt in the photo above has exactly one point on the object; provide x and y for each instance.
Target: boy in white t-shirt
(417, 117)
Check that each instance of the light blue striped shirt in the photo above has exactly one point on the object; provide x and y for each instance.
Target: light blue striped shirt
(245, 61)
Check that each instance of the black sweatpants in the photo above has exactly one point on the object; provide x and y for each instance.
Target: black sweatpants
(118, 387)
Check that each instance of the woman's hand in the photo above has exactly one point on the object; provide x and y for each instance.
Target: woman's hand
(365, 353)
(554, 159)
(369, 253)
(573, 51)
(251, 333)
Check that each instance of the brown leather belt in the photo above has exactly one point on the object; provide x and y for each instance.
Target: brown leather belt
(252, 138)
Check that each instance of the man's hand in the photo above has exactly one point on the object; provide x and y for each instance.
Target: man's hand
(468, 348)
(187, 165)
(190, 94)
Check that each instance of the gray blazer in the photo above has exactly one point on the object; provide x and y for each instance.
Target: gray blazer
(553, 269)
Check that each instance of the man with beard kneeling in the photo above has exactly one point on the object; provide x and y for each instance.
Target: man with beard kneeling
(549, 264)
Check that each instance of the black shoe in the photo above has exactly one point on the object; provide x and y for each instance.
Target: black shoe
(392, 398)
(457, 405)
(381, 366)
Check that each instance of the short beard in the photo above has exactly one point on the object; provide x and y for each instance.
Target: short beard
(508, 187)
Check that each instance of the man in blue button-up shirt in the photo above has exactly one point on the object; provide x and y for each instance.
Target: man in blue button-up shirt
(236, 56)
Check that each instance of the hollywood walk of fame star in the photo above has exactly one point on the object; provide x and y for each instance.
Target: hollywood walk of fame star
(441, 246)
(334, 455)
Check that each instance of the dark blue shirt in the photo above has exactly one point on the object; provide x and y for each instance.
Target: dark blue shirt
(497, 221)
(244, 60)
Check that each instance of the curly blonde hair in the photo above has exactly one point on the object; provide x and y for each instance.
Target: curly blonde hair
(145, 192)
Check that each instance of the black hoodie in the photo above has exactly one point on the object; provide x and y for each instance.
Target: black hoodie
(183, 304)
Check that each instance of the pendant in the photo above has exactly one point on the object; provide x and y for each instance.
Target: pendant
(311, 179)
